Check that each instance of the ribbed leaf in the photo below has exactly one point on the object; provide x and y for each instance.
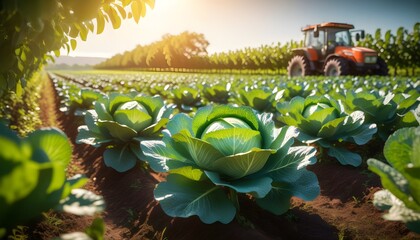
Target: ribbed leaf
(345, 157)
(133, 118)
(89, 137)
(157, 154)
(394, 182)
(398, 149)
(117, 130)
(364, 134)
(190, 172)
(200, 151)
(182, 197)
(152, 104)
(234, 141)
(205, 116)
(120, 158)
(258, 187)
(277, 200)
(115, 100)
(102, 111)
(243, 164)
(154, 129)
(285, 164)
(180, 122)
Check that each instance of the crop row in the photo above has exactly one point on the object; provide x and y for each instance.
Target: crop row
(220, 136)
(192, 90)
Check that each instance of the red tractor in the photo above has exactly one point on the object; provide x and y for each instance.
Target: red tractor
(328, 49)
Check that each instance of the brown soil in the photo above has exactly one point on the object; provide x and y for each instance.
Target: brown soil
(342, 211)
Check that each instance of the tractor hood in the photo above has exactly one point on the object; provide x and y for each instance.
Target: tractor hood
(357, 54)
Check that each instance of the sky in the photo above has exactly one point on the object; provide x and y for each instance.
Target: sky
(236, 24)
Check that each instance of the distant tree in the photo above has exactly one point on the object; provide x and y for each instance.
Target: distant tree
(179, 51)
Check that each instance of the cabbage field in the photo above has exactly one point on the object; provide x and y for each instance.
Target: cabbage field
(216, 156)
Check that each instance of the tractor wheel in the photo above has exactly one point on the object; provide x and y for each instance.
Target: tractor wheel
(298, 67)
(336, 67)
(383, 67)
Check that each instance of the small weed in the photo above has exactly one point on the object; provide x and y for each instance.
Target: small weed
(357, 202)
(342, 234)
(19, 233)
(52, 219)
(162, 236)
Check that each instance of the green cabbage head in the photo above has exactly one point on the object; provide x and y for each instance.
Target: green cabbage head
(223, 151)
(121, 122)
(322, 120)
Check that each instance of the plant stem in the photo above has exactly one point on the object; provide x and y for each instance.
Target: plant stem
(233, 196)
(243, 221)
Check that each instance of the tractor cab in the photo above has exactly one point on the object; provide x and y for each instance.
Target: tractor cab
(325, 40)
(329, 49)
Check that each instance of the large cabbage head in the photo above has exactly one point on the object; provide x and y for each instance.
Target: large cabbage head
(231, 149)
(323, 120)
(121, 121)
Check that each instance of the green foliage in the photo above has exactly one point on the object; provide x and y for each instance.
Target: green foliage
(21, 108)
(323, 120)
(216, 93)
(83, 101)
(186, 99)
(31, 29)
(226, 148)
(261, 99)
(121, 122)
(383, 110)
(188, 51)
(401, 178)
(171, 51)
(33, 178)
(400, 51)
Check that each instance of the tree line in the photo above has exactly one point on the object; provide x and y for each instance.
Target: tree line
(188, 50)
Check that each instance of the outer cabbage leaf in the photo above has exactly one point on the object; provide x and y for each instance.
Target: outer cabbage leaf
(402, 194)
(182, 197)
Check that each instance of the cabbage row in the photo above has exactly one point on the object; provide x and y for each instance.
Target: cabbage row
(219, 136)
